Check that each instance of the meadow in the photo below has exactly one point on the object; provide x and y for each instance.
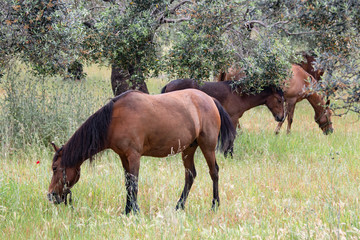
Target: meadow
(299, 186)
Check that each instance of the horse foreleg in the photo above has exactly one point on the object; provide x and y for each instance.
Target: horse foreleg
(290, 110)
(131, 165)
(131, 183)
(277, 130)
(190, 174)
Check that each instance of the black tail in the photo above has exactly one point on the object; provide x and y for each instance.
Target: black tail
(227, 131)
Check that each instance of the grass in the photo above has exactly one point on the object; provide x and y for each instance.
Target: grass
(298, 186)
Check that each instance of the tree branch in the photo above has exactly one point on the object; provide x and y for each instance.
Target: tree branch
(164, 14)
(172, 10)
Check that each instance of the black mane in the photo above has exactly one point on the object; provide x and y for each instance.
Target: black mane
(90, 138)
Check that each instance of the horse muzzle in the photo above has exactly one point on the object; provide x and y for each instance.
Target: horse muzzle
(328, 131)
(279, 119)
(57, 199)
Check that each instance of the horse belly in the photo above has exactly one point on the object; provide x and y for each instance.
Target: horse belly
(162, 145)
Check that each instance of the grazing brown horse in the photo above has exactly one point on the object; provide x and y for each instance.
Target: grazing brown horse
(295, 91)
(234, 102)
(135, 124)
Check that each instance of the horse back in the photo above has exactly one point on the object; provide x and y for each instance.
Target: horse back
(300, 79)
(159, 125)
(180, 84)
(218, 90)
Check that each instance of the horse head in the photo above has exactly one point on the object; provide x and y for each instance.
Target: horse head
(275, 102)
(62, 180)
(324, 119)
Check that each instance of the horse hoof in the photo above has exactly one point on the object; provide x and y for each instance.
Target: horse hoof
(180, 206)
(215, 204)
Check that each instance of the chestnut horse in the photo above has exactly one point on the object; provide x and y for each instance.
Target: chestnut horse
(136, 124)
(295, 91)
(234, 102)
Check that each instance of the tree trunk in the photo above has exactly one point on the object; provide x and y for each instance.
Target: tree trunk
(121, 80)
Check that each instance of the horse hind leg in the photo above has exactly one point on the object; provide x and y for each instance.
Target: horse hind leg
(190, 173)
(209, 154)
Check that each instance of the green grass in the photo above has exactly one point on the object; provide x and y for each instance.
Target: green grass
(299, 186)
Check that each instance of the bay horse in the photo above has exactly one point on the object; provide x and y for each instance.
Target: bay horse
(136, 124)
(234, 102)
(295, 91)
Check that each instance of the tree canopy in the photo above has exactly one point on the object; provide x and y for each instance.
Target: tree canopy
(188, 38)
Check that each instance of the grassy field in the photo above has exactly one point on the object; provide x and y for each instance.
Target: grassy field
(299, 186)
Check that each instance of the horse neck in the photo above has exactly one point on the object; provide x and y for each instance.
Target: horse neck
(317, 103)
(90, 138)
(252, 100)
(76, 156)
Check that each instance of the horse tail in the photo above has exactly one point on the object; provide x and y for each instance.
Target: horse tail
(227, 131)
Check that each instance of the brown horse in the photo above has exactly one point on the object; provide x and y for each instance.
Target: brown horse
(295, 91)
(135, 124)
(234, 102)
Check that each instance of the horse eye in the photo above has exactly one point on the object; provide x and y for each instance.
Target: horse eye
(54, 169)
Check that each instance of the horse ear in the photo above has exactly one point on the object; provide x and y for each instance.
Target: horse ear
(55, 147)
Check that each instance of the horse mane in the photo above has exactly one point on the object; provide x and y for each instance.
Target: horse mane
(91, 136)
(221, 76)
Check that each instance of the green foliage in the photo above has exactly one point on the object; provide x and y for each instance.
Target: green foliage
(260, 36)
(44, 33)
(268, 65)
(126, 39)
(200, 50)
